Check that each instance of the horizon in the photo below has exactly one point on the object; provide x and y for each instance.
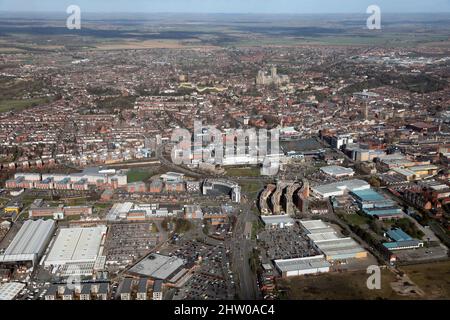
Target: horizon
(227, 7)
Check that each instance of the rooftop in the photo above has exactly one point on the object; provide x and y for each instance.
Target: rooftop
(10, 290)
(368, 195)
(76, 245)
(398, 234)
(337, 170)
(341, 186)
(29, 241)
(285, 265)
(158, 266)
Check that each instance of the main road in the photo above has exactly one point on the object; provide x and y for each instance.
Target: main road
(241, 245)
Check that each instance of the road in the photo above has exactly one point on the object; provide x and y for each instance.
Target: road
(241, 245)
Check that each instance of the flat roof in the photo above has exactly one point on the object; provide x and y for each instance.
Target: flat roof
(341, 186)
(398, 234)
(313, 224)
(424, 167)
(76, 245)
(337, 170)
(158, 266)
(368, 195)
(402, 244)
(10, 290)
(314, 262)
(30, 241)
(286, 219)
(339, 246)
(323, 236)
(383, 211)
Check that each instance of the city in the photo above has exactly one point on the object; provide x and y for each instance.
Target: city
(313, 152)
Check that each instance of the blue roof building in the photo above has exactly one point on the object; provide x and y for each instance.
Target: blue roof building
(401, 240)
(376, 205)
(398, 234)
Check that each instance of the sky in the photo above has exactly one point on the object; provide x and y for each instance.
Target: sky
(229, 6)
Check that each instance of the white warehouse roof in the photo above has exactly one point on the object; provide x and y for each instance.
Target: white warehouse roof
(323, 236)
(76, 245)
(158, 266)
(30, 241)
(339, 188)
(314, 262)
(10, 290)
(278, 220)
(338, 247)
(310, 225)
(329, 242)
(337, 171)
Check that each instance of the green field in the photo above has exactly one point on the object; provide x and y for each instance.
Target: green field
(355, 219)
(251, 187)
(18, 105)
(243, 172)
(135, 175)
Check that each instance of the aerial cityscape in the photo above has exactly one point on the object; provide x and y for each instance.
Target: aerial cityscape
(224, 155)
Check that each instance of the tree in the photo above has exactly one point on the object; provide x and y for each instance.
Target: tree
(374, 182)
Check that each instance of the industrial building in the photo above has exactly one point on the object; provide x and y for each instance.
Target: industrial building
(401, 240)
(338, 171)
(330, 243)
(158, 266)
(339, 188)
(136, 212)
(30, 242)
(79, 247)
(340, 249)
(376, 205)
(280, 221)
(10, 290)
(302, 266)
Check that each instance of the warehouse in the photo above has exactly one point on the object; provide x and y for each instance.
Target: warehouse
(30, 242)
(9, 291)
(330, 243)
(311, 225)
(401, 240)
(158, 266)
(340, 249)
(302, 266)
(337, 171)
(281, 221)
(376, 205)
(76, 245)
(339, 188)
